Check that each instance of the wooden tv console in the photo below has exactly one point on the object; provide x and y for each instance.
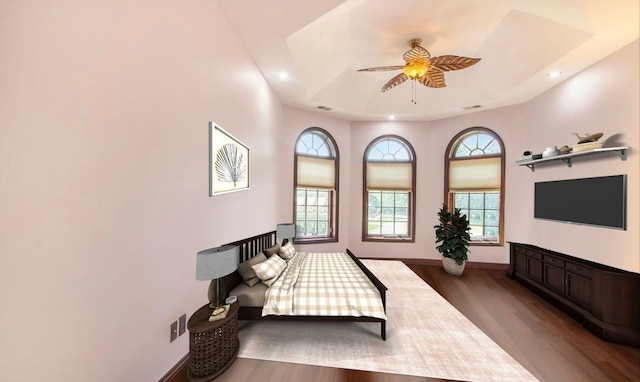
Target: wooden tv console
(603, 299)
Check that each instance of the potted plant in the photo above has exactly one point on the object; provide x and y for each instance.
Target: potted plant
(453, 234)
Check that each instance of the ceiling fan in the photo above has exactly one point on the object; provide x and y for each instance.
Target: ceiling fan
(421, 67)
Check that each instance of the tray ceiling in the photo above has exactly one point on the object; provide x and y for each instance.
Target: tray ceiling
(320, 44)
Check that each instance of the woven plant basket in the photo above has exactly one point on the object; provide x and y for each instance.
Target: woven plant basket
(452, 267)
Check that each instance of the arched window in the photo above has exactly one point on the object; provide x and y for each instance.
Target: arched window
(389, 190)
(474, 182)
(316, 185)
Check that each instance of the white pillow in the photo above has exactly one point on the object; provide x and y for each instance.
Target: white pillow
(269, 270)
(287, 251)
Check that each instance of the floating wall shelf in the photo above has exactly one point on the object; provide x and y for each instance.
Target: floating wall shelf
(621, 151)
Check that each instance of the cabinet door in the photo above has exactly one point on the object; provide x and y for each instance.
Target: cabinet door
(579, 290)
(520, 262)
(534, 268)
(553, 278)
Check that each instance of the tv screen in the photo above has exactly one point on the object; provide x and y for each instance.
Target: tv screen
(600, 201)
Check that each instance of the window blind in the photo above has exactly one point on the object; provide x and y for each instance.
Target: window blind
(395, 176)
(316, 172)
(475, 174)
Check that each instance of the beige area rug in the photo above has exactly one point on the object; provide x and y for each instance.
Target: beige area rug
(426, 336)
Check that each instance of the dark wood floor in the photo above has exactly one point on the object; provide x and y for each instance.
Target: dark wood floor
(548, 343)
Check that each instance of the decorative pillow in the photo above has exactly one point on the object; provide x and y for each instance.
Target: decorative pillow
(272, 250)
(287, 251)
(247, 273)
(269, 270)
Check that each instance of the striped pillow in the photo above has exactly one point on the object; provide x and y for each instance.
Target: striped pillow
(269, 270)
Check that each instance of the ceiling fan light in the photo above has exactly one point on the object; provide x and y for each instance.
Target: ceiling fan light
(415, 69)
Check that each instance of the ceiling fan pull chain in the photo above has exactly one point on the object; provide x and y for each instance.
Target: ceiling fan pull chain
(413, 93)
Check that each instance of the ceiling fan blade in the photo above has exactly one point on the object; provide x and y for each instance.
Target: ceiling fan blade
(382, 68)
(448, 62)
(433, 78)
(395, 81)
(416, 52)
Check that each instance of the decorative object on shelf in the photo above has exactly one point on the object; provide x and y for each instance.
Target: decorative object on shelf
(286, 232)
(213, 264)
(550, 151)
(453, 232)
(526, 156)
(588, 137)
(565, 150)
(228, 162)
(586, 146)
(587, 142)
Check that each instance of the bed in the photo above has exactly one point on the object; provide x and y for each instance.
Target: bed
(254, 299)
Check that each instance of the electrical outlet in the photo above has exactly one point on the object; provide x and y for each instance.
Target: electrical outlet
(174, 331)
(182, 324)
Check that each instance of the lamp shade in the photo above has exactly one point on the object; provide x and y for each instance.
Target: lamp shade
(286, 231)
(214, 263)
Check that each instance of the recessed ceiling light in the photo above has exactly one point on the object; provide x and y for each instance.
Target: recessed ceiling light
(392, 117)
(283, 75)
(554, 74)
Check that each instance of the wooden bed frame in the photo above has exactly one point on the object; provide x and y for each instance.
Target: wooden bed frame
(248, 248)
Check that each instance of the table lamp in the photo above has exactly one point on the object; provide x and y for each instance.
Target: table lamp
(285, 231)
(213, 264)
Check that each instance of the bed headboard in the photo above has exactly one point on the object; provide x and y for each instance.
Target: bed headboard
(247, 248)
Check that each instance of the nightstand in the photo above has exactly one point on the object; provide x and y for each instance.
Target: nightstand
(213, 346)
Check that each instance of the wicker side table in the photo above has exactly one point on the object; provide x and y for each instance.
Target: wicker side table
(213, 346)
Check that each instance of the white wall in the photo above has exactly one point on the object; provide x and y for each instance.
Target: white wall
(603, 98)
(104, 111)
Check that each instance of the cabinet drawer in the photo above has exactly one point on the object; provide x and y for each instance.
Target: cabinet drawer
(554, 260)
(579, 269)
(534, 254)
(520, 249)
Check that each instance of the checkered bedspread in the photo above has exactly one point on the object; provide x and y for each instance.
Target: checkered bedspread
(323, 284)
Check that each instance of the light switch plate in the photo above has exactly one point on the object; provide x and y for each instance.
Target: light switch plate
(182, 324)
(174, 330)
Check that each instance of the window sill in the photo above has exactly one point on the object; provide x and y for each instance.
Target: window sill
(389, 239)
(486, 244)
(315, 240)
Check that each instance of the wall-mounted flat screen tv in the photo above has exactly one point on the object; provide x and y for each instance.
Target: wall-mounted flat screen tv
(600, 201)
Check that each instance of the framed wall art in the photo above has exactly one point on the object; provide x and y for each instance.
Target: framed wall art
(228, 162)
